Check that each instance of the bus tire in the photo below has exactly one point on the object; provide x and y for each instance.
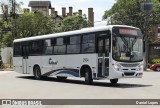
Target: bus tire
(88, 76)
(61, 77)
(37, 73)
(113, 81)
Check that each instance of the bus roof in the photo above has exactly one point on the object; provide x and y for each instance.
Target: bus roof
(83, 30)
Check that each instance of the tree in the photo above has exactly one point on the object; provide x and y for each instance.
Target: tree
(5, 33)
(74, 22)
(9, 9)
(26, 25)
(33, 24)
(129, 12)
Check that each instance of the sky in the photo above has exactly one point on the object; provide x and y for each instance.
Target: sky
(99, 6)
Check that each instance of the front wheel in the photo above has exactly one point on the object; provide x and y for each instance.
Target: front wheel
(113, 81)
(37, 73)
(88, 77)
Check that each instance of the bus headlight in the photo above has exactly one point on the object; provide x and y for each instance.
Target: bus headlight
(116, 66)
(140, 67)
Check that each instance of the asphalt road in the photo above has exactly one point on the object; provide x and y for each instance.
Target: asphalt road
(19, 86)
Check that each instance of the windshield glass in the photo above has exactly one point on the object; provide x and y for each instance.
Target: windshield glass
(127, 48)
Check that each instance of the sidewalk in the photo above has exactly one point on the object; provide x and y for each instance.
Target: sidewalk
(148, 70)
(5, 72)
(8, 69)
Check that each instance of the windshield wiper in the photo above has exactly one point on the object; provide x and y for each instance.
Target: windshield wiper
(134, 41)
(124, 41)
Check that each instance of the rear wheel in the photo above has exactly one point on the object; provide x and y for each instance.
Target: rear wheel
(113, 81)
(158, 68)
(88, 77)
(61, 77)
(37, 73)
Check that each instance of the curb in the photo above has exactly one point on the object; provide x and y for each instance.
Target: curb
(6, 70)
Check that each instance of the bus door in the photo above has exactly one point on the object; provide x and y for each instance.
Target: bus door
(103, 42)
(25, 51)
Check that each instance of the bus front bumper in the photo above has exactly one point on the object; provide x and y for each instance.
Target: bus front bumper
(120, 74)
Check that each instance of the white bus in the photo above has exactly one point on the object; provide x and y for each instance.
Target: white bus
(111, 52)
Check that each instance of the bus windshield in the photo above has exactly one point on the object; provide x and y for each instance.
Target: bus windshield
(127, 48)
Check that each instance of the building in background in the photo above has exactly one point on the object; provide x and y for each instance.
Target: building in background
(45, 6)
(154, 47)
(157, 34)
(40, 6)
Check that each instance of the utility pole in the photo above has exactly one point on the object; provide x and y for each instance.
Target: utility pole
(146, 7)
(13, 15)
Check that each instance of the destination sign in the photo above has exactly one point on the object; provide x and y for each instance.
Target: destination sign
(128, 31)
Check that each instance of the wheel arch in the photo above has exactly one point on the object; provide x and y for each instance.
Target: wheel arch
(36, 65)
(82, 69)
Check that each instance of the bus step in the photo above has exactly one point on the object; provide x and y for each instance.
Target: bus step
(100, 77)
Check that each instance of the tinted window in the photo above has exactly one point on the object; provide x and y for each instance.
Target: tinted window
(75, 40)
(59, 41)
(48, 48)
(36, 47)
(60, 47)
(90, 38)
(17, 49)
(88, 43)
(74, 44)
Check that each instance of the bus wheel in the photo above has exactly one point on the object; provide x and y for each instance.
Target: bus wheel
(88, 77)
(113, 81)
(61, 77)
(37, 73)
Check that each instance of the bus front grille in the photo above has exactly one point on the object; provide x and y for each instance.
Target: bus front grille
(129, 65)
(129, 73)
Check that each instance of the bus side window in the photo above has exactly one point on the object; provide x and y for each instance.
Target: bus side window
(74, 45)
(17, 49)
(47, 47)
(36, 47)
(88, 43)
(60, 46)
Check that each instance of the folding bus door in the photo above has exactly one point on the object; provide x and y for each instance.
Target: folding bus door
(103, 43)
(25, 64)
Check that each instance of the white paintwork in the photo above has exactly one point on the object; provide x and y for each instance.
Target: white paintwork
(69, 61)
(84, 30)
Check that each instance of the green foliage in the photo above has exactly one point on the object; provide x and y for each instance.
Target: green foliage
(7, 27)
(156, 60)
(128, 12)
(74, 22)
(33, 24)
(7, 39)
(18, 5)
(5, 34)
